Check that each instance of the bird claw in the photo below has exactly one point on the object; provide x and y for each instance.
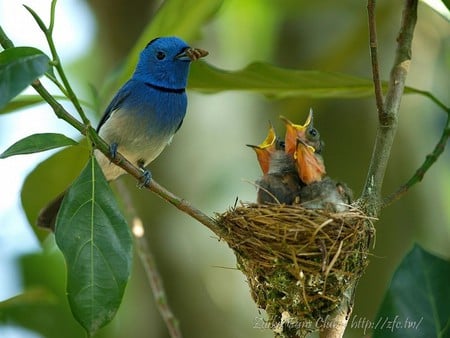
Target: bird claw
(145, 178)
(113, 150)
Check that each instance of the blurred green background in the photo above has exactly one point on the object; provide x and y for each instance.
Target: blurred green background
(209, 165)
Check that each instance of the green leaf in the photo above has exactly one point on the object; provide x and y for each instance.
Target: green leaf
(27, 101)
(19, 67)
(417, 301)
(43, 307)
(35, 295)
(50, 178)
(36, 143)
(96, 242)
(172, 20)
(22, 101)
(279, 82)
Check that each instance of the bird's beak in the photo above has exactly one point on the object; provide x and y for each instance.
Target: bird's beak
(265, 149)
(295, 131)
(310, 165)
(191, 54)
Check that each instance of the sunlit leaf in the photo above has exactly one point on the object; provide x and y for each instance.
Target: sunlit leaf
(19, 67)
(279, 82)
(36, 143)
(29, 297)
(96, 242)
(22, 101)
(417, 301)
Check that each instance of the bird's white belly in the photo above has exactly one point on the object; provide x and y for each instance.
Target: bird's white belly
(112, 171)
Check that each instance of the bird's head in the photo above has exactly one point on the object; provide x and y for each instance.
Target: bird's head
(305, 132)
(309, 163)
(265, 150)
(165, 62)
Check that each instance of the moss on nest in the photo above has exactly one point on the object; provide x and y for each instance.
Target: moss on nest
(298, 262)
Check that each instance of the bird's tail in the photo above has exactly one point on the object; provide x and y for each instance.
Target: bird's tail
(47, 216)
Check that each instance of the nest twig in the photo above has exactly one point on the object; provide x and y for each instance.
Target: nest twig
(298, 261)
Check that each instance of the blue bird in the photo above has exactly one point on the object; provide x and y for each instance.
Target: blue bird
(145, 113)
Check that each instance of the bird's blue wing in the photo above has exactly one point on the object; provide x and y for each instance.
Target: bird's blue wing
(115, 103)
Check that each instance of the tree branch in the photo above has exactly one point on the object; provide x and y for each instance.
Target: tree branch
(388, 120)
(374, 57)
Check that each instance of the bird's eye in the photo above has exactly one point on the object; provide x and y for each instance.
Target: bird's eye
(160, 55)
(313, 133)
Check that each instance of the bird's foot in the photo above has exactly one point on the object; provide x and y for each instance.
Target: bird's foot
(113, 149)
(146, 178)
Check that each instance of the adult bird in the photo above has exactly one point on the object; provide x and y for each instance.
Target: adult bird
(144, 114)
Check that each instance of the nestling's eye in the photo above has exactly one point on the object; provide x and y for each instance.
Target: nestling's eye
(160, 55)
(313, 133)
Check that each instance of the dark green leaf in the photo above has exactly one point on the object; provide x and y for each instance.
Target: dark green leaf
(38, 142)
(279, 82)
(50, 178)
(447, 4)
(37, 18)
(96, 242)
(19, 67)
(417, 301)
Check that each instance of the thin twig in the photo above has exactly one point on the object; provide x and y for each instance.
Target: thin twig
(65, 87)
(420, 172)
(374, 58)
(149, 264)
(387, 128)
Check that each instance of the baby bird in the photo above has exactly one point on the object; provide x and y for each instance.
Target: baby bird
(320, 192)
(280, 182)
(305, 132)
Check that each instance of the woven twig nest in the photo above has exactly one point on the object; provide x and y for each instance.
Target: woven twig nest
(298, 262)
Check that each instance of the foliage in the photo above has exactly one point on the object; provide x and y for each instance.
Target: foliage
(423, 315)
(86, 272)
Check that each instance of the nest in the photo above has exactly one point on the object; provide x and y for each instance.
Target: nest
(298, 262)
